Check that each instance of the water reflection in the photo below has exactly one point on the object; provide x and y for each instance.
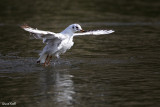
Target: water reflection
(56, 87)
(64, 88)
(32, 85)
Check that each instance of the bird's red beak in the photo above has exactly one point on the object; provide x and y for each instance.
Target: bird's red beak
(82, 30)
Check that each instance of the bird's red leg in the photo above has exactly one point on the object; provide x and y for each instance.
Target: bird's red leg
(46, 61)
(49, 60)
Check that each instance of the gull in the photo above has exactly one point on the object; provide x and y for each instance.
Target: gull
(59, 43)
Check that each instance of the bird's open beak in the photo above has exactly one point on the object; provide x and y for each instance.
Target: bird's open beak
(82, 30)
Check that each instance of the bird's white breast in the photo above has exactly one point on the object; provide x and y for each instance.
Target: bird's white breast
(66, 44)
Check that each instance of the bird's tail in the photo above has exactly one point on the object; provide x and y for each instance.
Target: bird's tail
(42, 58)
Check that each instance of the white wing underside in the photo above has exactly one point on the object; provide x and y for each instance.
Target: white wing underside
(96, 32)
(47, 36)
(44, 35)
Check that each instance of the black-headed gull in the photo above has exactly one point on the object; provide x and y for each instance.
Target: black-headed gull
(58, 43)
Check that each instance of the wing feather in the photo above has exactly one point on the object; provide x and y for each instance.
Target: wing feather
(38, 34)
(44, 35)
(96, 32)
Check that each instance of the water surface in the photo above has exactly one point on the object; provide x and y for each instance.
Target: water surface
(116, 70)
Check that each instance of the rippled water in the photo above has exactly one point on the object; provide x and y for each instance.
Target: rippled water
(116, 70)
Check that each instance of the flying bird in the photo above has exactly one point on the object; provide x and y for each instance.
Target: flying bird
(59, 43)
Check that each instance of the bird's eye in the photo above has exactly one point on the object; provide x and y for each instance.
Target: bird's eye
(76, 27)
(72, 27)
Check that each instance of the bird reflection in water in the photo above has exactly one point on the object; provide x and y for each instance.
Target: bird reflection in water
(61, 91)
(64, 88)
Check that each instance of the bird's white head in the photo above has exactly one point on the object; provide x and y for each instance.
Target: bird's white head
(71, 29)
(76, 28)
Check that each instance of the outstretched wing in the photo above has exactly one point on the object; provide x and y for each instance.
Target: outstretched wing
(39, 34)
(96, 32)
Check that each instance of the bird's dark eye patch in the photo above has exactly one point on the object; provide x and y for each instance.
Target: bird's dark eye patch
(72, 27)
(76, 27)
